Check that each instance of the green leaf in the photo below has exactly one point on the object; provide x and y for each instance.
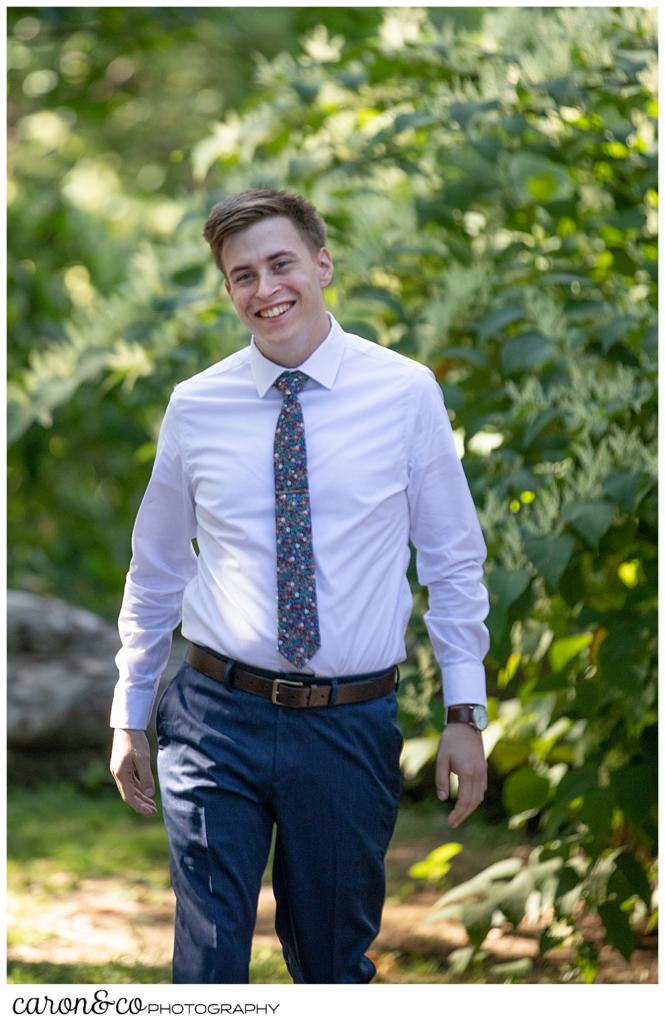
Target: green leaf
(515, 124)
(460, 959)
(534, 177)
(190, 276)
(551, 682)
(538, 424)
(566, 648)
(568, 880)
(380, 295)
(498, 628)
(562, 277)
(628, 878)
(416, 753)
(548, 941)
(20, 416)
(526, 351)
(480, 883)
(477, 919)
(620, 656)
(616, 331)
(627, 489)
(635, 787)
(508, 754)
(506, 585)
(464, 111)
(473, 356)
(576, 782)
(617, 928)
(486, 147)
(596, 812)
(436, 865)
(307, 91)
(590, 519)
(497, 319)
(513, 899)
(363, 328)
(524, 790)
(414, 120)
(513, 968)
(550, 556)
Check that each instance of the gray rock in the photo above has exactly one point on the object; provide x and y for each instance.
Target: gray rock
(60, 680)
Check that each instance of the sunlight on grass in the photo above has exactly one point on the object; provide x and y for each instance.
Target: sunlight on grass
(60, 831)
(76, 851)
(111, 973)
(267, 967)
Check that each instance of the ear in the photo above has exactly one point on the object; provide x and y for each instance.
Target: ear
(325, 266)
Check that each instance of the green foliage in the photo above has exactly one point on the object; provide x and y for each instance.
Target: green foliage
(62, 830)
(437, 864)
(111, 973)
(492, 201)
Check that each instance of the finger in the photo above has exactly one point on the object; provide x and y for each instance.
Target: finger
(469, 797)
(143, 777)
(133, 795)
(139, 808)
(442, 777)
(138, 790)
(119, 780)
(138, 802)
(140, 794)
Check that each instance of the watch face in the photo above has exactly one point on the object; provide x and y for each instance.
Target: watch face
(480, 717)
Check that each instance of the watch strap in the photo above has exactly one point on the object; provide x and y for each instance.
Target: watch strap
(462, 713)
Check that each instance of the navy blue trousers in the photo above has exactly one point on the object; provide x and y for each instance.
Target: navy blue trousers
(232, 766)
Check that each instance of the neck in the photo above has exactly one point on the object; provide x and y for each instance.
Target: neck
(294, 351)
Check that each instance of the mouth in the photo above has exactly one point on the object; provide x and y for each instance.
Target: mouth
(275, 312)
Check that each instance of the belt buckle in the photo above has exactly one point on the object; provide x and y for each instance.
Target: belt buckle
(275, 689)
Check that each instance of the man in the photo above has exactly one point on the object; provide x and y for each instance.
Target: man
(303, 465)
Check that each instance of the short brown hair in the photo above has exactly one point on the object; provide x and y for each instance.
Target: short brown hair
(240, 211)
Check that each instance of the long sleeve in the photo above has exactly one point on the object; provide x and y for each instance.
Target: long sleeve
(450, 549)
(163, 561)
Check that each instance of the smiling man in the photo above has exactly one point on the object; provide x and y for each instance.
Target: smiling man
(275, 281)
(303, 465)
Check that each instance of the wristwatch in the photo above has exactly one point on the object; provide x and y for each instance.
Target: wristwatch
(474, 715)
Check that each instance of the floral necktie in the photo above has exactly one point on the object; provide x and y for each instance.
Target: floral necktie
(298, 621)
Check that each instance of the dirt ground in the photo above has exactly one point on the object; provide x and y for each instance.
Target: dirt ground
(96, 921)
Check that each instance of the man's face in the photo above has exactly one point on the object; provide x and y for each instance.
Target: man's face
(275, 282)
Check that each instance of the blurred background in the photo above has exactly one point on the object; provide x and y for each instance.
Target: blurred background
(489, 179)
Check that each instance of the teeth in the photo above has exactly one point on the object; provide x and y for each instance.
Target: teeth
(275, 311)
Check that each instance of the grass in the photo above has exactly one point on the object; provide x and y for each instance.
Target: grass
(267, 967)
(400, 967)
(58, 830)
(59, 834)
(63, 837)
(111, 973)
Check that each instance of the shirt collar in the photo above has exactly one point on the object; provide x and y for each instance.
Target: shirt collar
(322, 365)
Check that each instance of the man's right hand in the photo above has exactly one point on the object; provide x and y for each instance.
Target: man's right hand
(130, 767)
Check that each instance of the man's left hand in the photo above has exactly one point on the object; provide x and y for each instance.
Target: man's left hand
(461, 751)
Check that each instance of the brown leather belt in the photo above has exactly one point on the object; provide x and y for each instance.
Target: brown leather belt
(292, 693)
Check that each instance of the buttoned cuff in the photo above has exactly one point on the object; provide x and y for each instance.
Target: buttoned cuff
(464, 684)
(135, 717)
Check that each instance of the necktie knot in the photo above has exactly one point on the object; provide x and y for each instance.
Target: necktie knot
(292, 382)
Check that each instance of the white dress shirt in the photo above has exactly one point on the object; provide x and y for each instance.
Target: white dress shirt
(382, 470)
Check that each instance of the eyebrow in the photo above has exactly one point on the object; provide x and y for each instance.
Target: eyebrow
(269, 259)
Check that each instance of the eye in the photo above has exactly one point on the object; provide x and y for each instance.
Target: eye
(280, 264)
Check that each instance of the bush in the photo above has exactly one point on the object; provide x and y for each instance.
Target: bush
(491, 196)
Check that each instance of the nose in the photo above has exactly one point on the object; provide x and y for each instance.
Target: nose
(265, 284)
